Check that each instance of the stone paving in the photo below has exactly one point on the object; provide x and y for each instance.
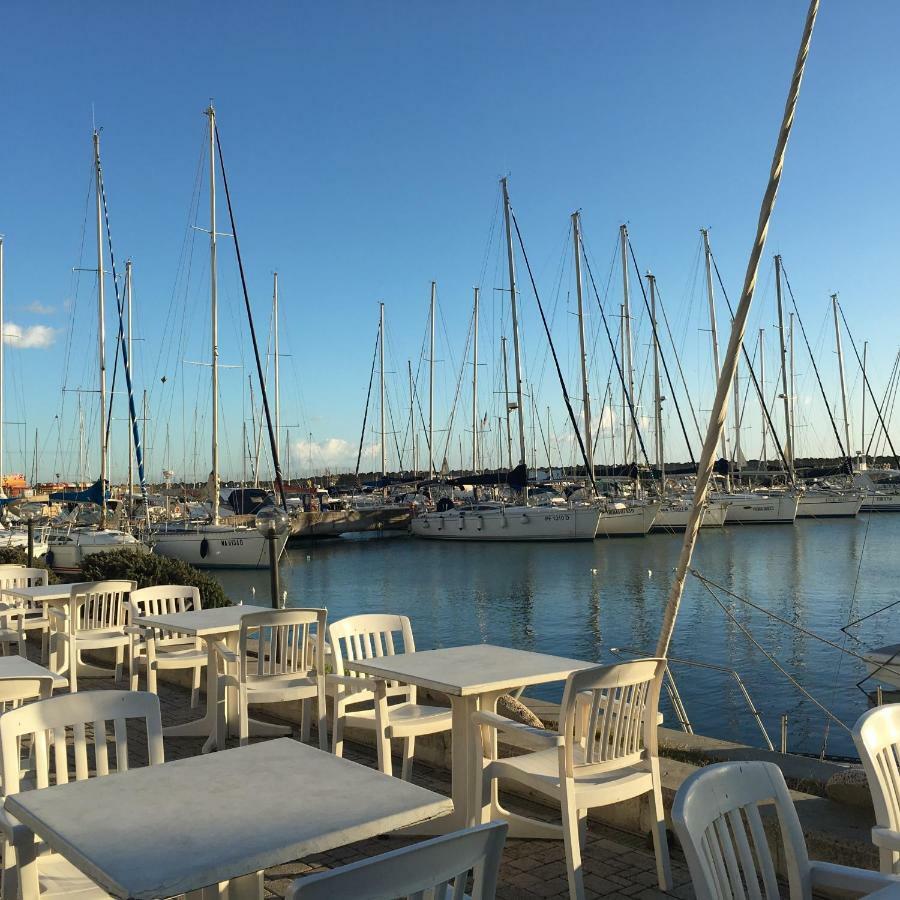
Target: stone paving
(616, 864)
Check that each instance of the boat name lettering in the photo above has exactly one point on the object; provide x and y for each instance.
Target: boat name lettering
(234, 542)
(560, 517)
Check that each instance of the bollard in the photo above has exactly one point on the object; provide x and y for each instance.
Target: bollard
(784, 723)
(31, 543)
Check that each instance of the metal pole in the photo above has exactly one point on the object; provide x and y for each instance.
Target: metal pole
(585, 390)
(273, 570)
(786, 388)
(793, 384)
(101, 334)
(474, 387)
(657, 397)
(128, 443)
(30, 542)
(720, 405)
(2, 370)
(431, 388)
(840, 355)
(277, 372)
(624, 388)
(214, 312)
(412, 415)
(626, 337)
(862, 427)
(762, 394)
(381, 353)
(517, 356)
(714, 333)
(506, 406)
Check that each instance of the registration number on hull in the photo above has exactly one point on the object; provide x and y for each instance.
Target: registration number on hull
(234, 542)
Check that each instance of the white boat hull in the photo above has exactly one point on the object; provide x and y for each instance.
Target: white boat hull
(884, 664)
(675, 518)
(632, 521)
(216, 547)
(511, 523)
(828, 506)
(880, 502)
(68, 549)
(761, 510)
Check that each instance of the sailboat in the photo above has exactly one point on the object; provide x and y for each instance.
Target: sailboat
(215, 544)
(69, 544)
(496, 521)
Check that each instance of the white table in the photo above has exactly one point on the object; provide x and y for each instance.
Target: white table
(164, 830)
(474, 678)
(43, 593)
(19, 667)
(214, 624)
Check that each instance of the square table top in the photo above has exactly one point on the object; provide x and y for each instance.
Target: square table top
(19, 667)
(472, 670)
(159, 831)
(203, 622)
(46, 592)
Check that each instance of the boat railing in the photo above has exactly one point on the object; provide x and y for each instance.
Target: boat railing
(675, 695)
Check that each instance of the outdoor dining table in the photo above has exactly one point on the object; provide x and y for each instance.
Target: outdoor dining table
(474, 678)
(160, 831)
(19, 667)
(221, 623)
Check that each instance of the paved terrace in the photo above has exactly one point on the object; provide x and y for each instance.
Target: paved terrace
(616, 864)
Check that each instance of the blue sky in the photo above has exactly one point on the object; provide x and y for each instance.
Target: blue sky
(364, 143)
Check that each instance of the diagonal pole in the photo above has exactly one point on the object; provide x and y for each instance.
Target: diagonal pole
(739, 324)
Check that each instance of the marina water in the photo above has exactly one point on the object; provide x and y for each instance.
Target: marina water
(584, 599)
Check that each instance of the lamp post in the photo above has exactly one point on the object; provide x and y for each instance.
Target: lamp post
(28, 516)
(270, 523)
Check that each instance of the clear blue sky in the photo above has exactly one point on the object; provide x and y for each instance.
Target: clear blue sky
(364, 144)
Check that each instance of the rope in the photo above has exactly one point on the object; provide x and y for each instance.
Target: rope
(720, 407)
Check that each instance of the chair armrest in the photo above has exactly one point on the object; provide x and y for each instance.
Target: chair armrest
(355, 683)
(136, 630)
(13, 830)
(518, 734)
(58, 612)
(849, 879)
(886, 837)
(226, 653)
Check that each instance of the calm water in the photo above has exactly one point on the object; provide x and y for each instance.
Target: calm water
(582, 600)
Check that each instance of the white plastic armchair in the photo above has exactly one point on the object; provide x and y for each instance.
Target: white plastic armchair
(436, 869)
(388, 708)
(155, 650)
(279, 658)
(94, 619)
(605, 752)
(717, 819)
(65, 734)
(20, 618)
(877, 738)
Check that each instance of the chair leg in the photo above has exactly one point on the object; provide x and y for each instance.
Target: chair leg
(120, 662)
(305, 720)
(572, 844)
(45, 646)
(337, 731)
(133, 672)
(383, 744)
(322, 725)
(887, 861)
(73, 667)
(409, 750)
(660, 841)
(195, 688)
(582, 826)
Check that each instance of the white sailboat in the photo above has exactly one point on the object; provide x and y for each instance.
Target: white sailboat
(215, 544)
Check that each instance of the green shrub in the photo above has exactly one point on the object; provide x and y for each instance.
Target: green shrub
(148, 569)
(18, 556)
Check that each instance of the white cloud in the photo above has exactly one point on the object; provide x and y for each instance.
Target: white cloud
(40, 309)
(31, 336)
(333, 453)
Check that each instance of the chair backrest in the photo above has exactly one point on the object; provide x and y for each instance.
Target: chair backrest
(49, 723)
(281, 642)
(14, 691)
(368, 636)
(717, 820)
(877, 738)
(22, 576)
(610, 712)
(433, 869)
(163, 600)
(99, 604)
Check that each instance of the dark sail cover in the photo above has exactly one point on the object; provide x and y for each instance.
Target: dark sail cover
(516, 478)
(93, 494)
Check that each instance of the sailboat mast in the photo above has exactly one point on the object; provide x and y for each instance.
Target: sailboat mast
(657, 397)
(431, 387)
(214, 310)
(585, 390)
(793, 384)
(277, 358)
(631, 448)
(506, 406)
(762, 394)
(785, 386)
(2, 371)
(840, 356)
(128, 441)
(381, 362)
(862, 426)
(475, 386)
(714, 334)
(517, 357)
(412, 417)
(101, 333)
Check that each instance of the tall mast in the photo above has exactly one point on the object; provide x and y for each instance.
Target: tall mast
(793, 384)
(626, 337)
(412, 416)
(862, 427)
(588, 433)
(431, 388)
(129, 440)
(506, 405)
(276, 361)
(474, 386)
(517, 357)
(624, 388)
(785, 386)
(101, 333)
(381, 361)
(2, 371)
(840, 355)
(762, 393)
(657, 396)
(711, 299)
(737, 416)
(214, 304)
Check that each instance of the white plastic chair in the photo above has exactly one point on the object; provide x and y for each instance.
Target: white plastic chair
(605, 752)
(366, 702)
(35, 616)
(877, 738)
(94, 619)
(717, 820)
(434, 869)
(279, 659)
(47, 726)
(158, 650)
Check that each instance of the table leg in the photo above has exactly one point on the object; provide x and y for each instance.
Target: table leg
(207, 725)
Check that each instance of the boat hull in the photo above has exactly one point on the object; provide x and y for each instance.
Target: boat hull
(676, 518)
(67, 550)
(633, 521)
(828, 506)
(332, 523)
(514, 523)
(875, 502)
(780, 509)
(883, 664)
(216, 547)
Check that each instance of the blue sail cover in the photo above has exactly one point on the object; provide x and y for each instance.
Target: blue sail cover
(93, 494)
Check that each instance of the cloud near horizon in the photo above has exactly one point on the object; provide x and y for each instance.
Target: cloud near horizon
(40, 309)
(29, 337)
